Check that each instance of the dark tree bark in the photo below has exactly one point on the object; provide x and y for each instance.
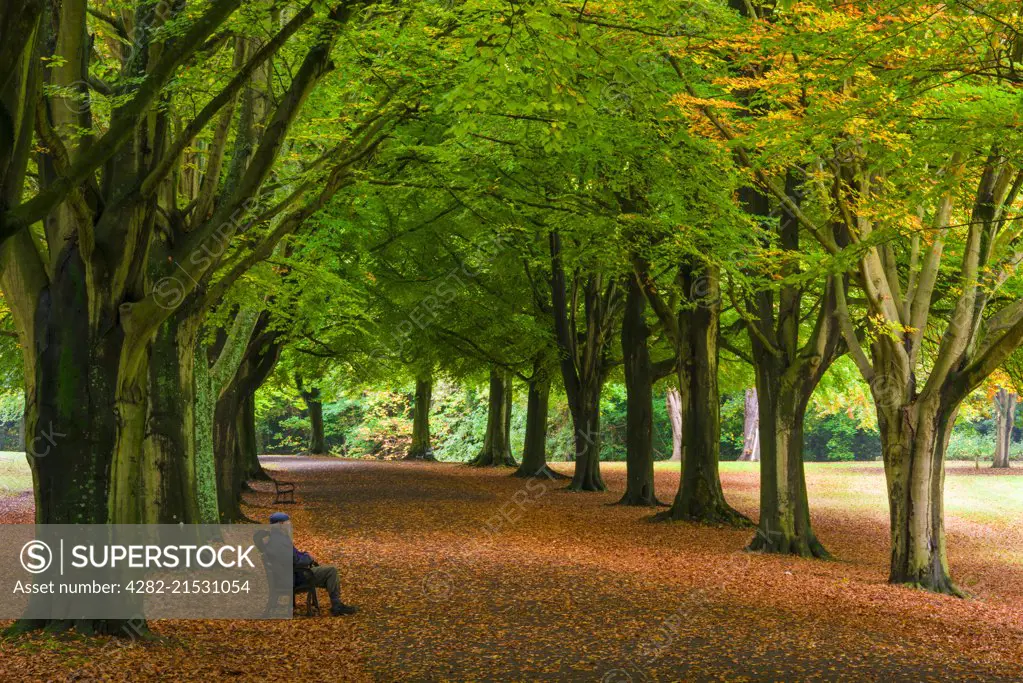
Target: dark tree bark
(584, 362)
(497, 442)
(421, 448)
(786, 378)
(317, 438)
(751, 428)
(233, 444)
(534, 446)
(673, 402)
(230, 476)
(116, 264)
(169, 445)
(314, 407)
(247, 441)
(787, 374)
(639, 380)
(693, 331)
(1005, 417)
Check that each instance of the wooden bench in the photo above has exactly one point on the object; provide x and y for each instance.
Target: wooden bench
(284, 492)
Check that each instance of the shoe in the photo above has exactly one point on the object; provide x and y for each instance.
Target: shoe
(342, 609)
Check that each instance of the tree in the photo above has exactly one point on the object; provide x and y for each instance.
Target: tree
(1005, 419)
(890, 203)
(673, 402)
(421, 448)
(496, 450)
(750, 428)
(534, 447)
(640, 375)
(314, 406)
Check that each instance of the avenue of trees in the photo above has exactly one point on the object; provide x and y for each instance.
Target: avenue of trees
(544, 195)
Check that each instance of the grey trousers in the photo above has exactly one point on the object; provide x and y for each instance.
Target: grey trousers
(326, 577)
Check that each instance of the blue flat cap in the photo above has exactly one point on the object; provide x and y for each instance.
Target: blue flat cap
(278, 517)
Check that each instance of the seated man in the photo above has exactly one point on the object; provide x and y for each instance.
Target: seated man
(323, 577)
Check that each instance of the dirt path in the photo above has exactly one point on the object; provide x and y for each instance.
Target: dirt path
(465, 574)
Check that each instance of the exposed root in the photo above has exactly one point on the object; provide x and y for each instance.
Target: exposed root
(633, 500)
(544, 472)
(720, 514)
(131, 629)
(587, 484)
(779, 544)
(491, 459)
(941, 585)
(422, 455)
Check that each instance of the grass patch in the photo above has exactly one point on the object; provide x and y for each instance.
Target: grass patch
(15, 475)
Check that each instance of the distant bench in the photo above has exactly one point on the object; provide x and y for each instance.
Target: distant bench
(284, 491)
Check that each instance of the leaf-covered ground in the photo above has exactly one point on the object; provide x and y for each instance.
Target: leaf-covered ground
(465, 574)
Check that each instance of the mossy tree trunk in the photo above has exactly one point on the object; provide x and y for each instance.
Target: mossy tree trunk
(693, 330)
(497, 442)
(787, 373)
(215, 366)
(914, 437)
(421, 448)
(640, 375)
(1005, 418)
(169, 446)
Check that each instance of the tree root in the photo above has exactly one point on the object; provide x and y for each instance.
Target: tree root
(777, 543)
(544, 472)
(640, 501)
(119, 628)
(942, 586)
(720, 514)
(421, 455)
(485, 459)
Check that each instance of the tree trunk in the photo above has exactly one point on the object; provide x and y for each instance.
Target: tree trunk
(751, 428)
(314, 407)
(673, 401)
(784, 508)
(914, 436)
(210, 379)
(317, 439)
(639, 422)
(497, 442)
(247, 441)
(421, 448)
(1005, 417)
(586, 431)
(169, 448)
(70, 417)
(230, 468)
(534, 447)
(583, 360)
(86, 385)
(700, 497)
(233, 442)
(206, 395)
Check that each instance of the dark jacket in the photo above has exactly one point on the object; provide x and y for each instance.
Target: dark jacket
(301, 562)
